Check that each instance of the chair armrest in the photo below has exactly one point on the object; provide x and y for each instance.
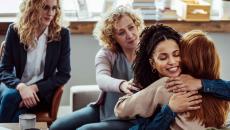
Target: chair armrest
(56, 102)
(81, 95)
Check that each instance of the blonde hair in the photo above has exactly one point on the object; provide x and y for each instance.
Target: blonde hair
(104, 29)
(29, 21)
(200, 59)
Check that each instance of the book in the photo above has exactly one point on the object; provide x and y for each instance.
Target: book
(143, 0)
(144, 4)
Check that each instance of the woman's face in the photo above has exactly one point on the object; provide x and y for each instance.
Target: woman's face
(48, 12)
(126, 33)
(166, 59)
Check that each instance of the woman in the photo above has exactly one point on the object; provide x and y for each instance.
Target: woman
(213, 111)
(36, 59)
(118, 33)
(156, 64)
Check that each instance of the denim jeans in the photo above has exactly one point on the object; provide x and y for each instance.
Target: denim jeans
(88, 118)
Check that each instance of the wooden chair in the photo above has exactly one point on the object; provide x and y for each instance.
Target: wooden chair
(51, 115)
(44, 116)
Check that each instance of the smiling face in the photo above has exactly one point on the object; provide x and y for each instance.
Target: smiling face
(126, 33)
(166, 59)
(48, 12)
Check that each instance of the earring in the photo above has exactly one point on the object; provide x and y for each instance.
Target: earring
(154, 70)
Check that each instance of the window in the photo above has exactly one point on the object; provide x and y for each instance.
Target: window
(69, 6)
(9, 9)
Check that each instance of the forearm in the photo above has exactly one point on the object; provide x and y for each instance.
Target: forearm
(218, 88)
(162, 120)
(107, 83)
(142, 103)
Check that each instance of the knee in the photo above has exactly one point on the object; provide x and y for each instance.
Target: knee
(84, 127)
(89, 127)
(57, 125)
(10, 97)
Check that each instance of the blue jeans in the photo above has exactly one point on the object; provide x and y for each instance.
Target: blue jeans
(9, 107)
(88, 118)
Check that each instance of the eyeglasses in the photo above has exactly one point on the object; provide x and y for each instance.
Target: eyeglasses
(49, 8)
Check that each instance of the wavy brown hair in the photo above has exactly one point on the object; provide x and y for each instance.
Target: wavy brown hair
(104, 29)
(29, 21)
(199, 58)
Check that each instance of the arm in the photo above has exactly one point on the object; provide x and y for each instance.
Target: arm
(218, 88)
(62, 75)
(7, 66)
(179, 102)
(142, 103)
(161, 121)
(104, 61)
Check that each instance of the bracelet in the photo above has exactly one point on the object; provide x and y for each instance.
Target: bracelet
(120, 87)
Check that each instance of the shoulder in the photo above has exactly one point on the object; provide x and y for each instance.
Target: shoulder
(160, 82)
(12, 28)
(105, 54)
(64, 31)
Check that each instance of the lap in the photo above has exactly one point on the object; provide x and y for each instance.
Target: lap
(107, 125)
(78, 118)
(9, 94)
(88, 118)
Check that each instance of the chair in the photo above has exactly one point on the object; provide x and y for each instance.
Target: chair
(51, 115)
(44, 116)
(2, 49)
(81, 95)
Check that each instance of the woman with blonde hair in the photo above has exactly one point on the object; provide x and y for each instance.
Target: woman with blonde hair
(118, 33)
(36, 60)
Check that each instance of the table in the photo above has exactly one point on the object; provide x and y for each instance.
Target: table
(15, 126)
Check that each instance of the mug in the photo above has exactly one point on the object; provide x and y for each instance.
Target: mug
(27, 121)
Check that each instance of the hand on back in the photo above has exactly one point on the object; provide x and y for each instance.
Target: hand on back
(128, 87)
(185, 101)
(183, 83)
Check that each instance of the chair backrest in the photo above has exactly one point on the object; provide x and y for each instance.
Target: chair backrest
(56, 102)
(51, 115)
(2, 49)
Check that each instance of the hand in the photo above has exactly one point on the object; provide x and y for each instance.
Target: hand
(128, 87)
(185, 101)
(28, 94)
(183, 83)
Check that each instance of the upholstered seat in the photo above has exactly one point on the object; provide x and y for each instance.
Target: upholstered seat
(81, 95)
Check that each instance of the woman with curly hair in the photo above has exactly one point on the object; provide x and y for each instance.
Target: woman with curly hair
(36, 60)
(212, 112)
(118, 33)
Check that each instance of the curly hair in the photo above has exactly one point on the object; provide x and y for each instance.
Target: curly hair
(200, 59)
(149, 39)
(29, 21)
(104, 29)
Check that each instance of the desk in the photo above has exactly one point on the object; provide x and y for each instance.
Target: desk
(15, 126)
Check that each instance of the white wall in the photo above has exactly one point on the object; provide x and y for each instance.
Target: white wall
(84, 48)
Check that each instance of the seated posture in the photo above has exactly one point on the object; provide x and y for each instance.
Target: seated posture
(202, 65)
(118, 32)
(36, 59)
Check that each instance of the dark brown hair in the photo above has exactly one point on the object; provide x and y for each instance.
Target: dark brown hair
(149, 39)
